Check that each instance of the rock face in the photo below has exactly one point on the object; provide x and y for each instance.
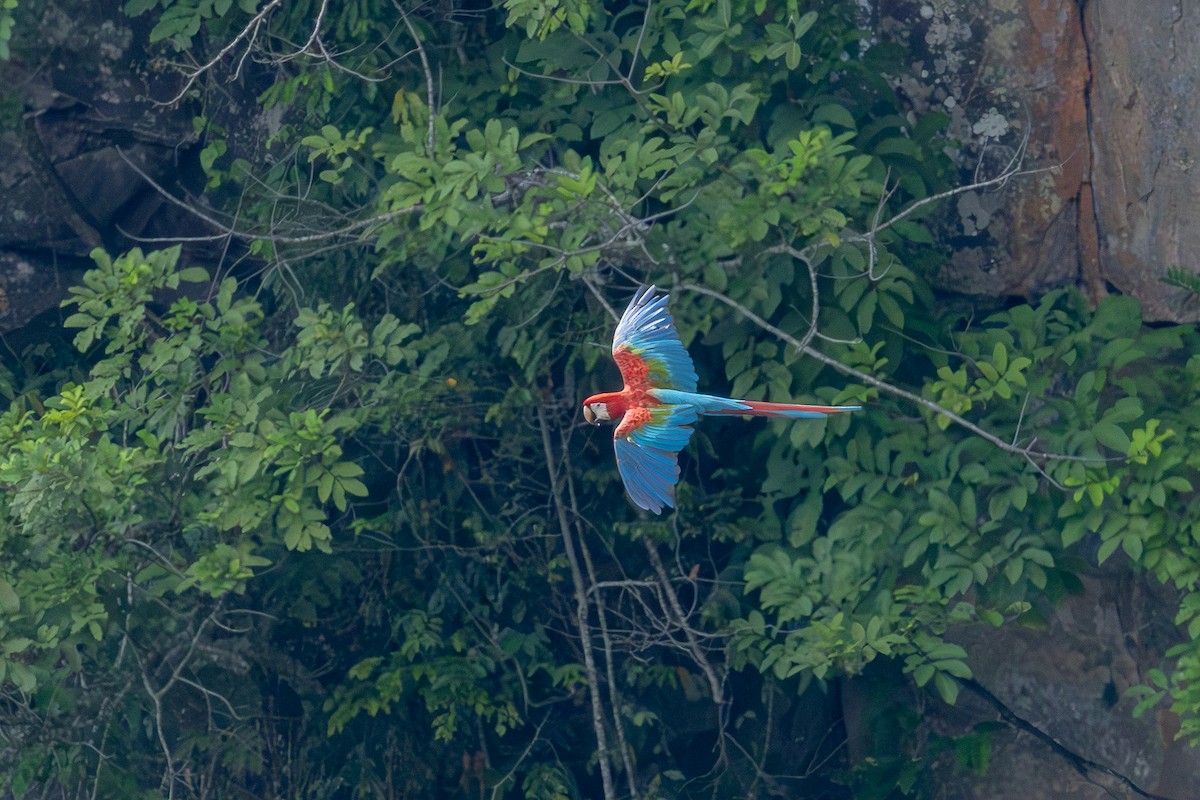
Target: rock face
(1145, 143)
(1095, 98)
(86, 139)
(80, 133)
(1060, 692)
(1047, 713)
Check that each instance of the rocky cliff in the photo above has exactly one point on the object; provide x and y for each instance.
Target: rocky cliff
(1095, 99)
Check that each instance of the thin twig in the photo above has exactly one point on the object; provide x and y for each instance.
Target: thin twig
(498, 786)
(801, 256)
(1010, 171)
(428, 77)
(345, 230)
(250, 31)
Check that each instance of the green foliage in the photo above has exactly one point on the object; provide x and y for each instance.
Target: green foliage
(1183, 279)
(331, 525)
(540, 19)
(180, 21)
(7, 22)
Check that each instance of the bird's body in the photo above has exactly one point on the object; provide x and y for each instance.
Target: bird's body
(659, 402)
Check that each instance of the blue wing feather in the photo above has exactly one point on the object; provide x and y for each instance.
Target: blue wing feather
(649, 474)
(667, 430)
(647, 330)
(647, 457)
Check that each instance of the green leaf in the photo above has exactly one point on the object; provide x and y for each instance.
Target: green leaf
(346, 469)
(923, 673)
(1111, 436)
(22, 677)
(608, 121)
(10, 603)
(947, 687)
(1150, 699)
(891, 310)
(792, 55)
(1132, 545)
(1107, 548)
(193, 275)
(834, 114)
(17, 644)
(992, 617)
(1013, 569)
(954, 667)
(1039, 556)
(79, 320)
(325, 486)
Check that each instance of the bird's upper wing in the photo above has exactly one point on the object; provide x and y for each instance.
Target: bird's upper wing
(647, 349)
(647, 443)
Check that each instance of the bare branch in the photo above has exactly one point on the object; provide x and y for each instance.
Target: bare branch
(429, 97)
(614, 692)
(1011, 170)
(345, 231)
(249, 33)
(498, 787)
(814, 315)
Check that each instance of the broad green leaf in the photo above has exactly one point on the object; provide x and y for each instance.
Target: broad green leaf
(10, 603)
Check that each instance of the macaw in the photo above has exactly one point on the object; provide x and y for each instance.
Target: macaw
(655, 410)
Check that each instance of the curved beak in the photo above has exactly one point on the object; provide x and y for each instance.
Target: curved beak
(589, 416)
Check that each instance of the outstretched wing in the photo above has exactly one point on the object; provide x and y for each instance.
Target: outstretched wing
(647, 444)
(647, 349)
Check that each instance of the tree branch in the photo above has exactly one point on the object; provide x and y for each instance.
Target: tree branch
(884, 386)
(250, 32)
(581, 610)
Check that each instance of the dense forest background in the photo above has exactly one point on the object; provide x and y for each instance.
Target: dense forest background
(298, 501)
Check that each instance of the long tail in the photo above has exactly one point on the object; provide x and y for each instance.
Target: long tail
(711, 404)
(754, 408)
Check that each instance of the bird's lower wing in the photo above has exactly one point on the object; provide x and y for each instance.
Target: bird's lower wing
(649, 474)
(647, 445)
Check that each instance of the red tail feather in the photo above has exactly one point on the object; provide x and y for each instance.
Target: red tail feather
(760, 409)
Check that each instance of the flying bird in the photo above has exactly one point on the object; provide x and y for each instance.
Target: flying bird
(655, 410)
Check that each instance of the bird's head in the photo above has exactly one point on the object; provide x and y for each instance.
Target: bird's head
(595, 413)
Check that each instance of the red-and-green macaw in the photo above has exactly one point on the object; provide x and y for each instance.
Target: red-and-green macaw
(655, 410)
